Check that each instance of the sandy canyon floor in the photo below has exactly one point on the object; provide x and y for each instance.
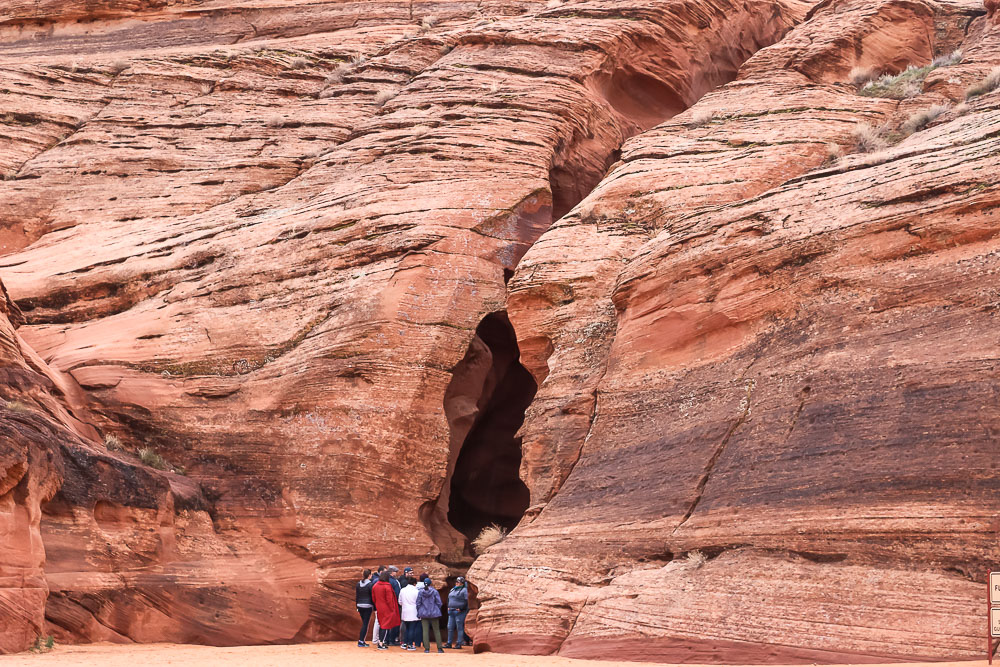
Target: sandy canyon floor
(305, 655)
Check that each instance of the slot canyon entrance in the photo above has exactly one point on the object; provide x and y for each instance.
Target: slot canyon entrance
(485, 405)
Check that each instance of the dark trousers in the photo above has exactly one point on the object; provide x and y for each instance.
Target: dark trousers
(383, 635)
(366, 617)
(413, 633)
(428, 625)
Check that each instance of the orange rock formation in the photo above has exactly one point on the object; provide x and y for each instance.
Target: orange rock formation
(300, 287)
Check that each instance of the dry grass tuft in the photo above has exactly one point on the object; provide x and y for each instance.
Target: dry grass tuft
(987, 85)
(834, 152)
(922, 119)
(429, 22)
(119, 66)
(488, 536)
(869, 139)
(962, 109)
(695, 559)
(298, 63)
(151, 458)
(18, 406)
(383, 96)
(947, 59)
(907, 84)
(861, 76)
(701, 117)
(338, 74)
(359, 59)
(113, 443)
(274, 121)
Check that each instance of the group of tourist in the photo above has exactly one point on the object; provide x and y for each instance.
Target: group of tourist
(408, 608)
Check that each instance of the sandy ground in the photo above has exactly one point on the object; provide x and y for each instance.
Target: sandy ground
(308, 655)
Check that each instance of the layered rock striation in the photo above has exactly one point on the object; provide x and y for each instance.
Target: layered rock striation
(305, 287)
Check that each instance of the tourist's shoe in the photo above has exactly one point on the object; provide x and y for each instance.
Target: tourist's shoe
(427, 650)
(362, 644)
(440, 650)
(447, 645)
(383, 647)
(411, 648)
(458, 646)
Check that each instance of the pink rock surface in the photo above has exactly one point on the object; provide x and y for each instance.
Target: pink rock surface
(314, 260)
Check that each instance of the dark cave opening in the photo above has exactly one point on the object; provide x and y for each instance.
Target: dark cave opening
(486, 486)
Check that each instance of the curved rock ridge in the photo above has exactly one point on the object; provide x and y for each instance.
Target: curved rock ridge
(253, 244)
(268, 264)
(778, 441)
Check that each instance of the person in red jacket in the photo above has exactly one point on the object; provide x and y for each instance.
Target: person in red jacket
(386, 608)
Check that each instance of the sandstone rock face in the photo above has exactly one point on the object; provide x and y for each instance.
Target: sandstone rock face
(306, 287)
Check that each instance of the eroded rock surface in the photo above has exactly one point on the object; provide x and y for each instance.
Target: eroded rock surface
(253, 248)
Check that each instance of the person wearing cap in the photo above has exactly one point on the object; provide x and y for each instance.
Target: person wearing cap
(429, 611)
(393, 638)
(458, 609)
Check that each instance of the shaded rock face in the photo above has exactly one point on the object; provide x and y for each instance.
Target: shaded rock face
(347, 282)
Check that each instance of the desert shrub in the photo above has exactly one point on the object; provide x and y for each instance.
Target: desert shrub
(701, 117)
(987, 85)
(274, 121)
(834, 152)
(151, 458)
(383, 96)
(869, 139)
(113, 443)
(922, 119)
(488, 536)
(445, 49)
(359, 59)
(18, 406)
(206, 88)
(338, 74)
(908, 83)
(860, 76)
(695, 559)
(947, 59)
(326, 93)
(429, 22)
(298, 63)
(43, 644)
(962, 109)
(119, 66)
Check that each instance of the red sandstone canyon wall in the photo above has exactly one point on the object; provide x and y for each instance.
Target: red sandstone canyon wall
(300, 287)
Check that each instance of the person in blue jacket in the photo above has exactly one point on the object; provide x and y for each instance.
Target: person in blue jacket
(458, 609)
(429, 613)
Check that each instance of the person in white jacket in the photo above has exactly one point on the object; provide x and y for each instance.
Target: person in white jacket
(411, 622)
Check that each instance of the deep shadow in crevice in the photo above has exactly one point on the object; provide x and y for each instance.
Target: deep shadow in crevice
(485, 485)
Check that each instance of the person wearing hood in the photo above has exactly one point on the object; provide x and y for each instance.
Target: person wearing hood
(408, 612)
(364, 603)
(458, 609)
(386, 608)
(429, 612)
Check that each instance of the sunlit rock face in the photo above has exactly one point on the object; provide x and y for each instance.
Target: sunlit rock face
(312, 286)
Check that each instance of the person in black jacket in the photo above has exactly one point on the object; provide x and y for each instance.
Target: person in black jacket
(363, 600)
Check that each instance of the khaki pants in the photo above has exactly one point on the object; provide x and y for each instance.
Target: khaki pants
(429, 623)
